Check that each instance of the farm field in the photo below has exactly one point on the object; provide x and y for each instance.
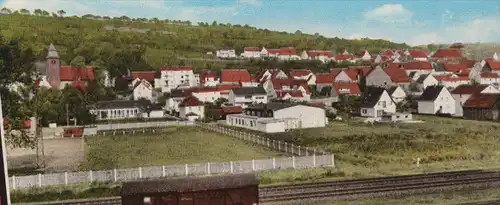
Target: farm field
(440, 143)
(176, 145)
(457, 198)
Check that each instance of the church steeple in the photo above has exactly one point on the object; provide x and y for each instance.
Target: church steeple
(52, 54)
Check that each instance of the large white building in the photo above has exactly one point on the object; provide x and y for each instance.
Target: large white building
(143, 89)
(175, 77)
(226, 53)
(278, 117)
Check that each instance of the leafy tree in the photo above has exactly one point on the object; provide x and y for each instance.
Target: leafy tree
(24, 11)
(6, 10)
(145, 106)
(16, 66)
(220, 101)
(346, 105)
(78, 62)
(61, 13)
(37, 12)
(325, 91)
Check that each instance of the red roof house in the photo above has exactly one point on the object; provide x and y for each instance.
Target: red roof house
(146, 75)
(454, 67)
(68, 73)
(492, 64)
(447, 53)
(190, 101)
(397, 75)
(287, 51)
(324, 78)
(416, 53)
(346, 88)
(251, 49)
(235, 76)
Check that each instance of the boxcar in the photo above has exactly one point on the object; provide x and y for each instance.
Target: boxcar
(239, 189)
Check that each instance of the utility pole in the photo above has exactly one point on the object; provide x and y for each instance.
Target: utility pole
(4, 177)
(67, 115)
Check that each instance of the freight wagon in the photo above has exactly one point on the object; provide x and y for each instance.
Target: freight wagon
(238, 189)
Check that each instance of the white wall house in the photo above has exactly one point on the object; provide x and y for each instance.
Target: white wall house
(272, 74)
(175, 77)
(303, 74)
(323, 56)
(397, 94)
(207, 94)
(172, 104)
(342, 77)
(245, 96)
(143, 89)
(191, 107)
(436, 99)
(226, 53)
(488, 78)
(376, 102)
(208, 79)
(251, 52)
(278, 117)
(426, 80)
(366, 56)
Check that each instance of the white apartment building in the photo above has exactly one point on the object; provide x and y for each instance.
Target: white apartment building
(175, 77)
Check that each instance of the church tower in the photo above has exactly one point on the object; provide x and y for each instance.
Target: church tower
(53, 67)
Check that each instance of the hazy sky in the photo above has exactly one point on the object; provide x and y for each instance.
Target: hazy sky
(413, 22)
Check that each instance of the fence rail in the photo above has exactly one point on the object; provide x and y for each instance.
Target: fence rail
(277, 145)
(209, 168)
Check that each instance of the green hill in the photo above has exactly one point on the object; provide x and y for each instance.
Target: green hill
(143, 45)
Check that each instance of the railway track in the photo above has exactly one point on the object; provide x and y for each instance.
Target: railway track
(352, 189)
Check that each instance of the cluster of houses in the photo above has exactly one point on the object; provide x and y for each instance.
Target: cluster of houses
(441, 82)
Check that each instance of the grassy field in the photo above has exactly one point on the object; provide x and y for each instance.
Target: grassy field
(176, 145)
(449, 198)
(440, 143)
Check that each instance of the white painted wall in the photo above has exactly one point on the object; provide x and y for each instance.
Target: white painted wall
(444, 100)
(143, 90)
(308, 116)
(170, 80)
(199, 110)
(398, 95)
(342, 77)
(241, 100)
(429, 81)
(206, 96)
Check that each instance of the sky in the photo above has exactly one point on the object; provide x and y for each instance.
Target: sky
(415, 22)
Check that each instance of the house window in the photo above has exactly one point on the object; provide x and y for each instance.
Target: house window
(364, 111)
(384, 104)
(248, 97)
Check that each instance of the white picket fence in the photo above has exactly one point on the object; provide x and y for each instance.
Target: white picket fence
(277, 145)
(209, 168)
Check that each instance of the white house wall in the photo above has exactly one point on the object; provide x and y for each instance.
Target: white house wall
(199, 110)
(398, 95)
(309, 116)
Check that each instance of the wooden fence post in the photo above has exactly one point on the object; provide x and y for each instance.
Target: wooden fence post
(186, 169)
(231, 167)
(274, 163)
(293, 162)
(39, 180)
(90, 175)
(299, 150)
(314, 160)
(208, 168)
(163, 171)
(286, 147)
(253, 165)
(66, 178)
(333, 160)
(115, 178)
(13, 182)
(140, 172)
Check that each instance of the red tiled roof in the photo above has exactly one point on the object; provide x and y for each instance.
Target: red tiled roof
(468, 63)
(319, 53)
(190, 101)
(176, 68)
(387, 52)
(300, 72)
(335, 71)
(273, 51)
(347, 88)
(251, 49)
(397, 75)
(494, 65)
(352, 73)
(78, 84)
(232, 109)
(341, 57)
(447, 53)
(235, 75)
(451, 78)
(68, 73)
(468, 89)
(454, 67)
(324, 78)
(287, 51)
(489, 75)
(363, 70)
(417, 65)
(415, 53)
(205, 75)
(146, 75)
(464, 72)
(482, 101)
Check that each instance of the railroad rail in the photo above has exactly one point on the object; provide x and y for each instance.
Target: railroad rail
(353, 189)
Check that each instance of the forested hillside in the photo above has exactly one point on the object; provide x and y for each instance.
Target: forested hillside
(144, 44)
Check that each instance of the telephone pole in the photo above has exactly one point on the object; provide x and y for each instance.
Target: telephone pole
(4, 177)
(67, 115)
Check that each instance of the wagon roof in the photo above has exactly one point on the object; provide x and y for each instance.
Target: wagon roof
(188, 184)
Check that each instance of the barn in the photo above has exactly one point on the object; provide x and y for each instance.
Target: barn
(238, 189)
